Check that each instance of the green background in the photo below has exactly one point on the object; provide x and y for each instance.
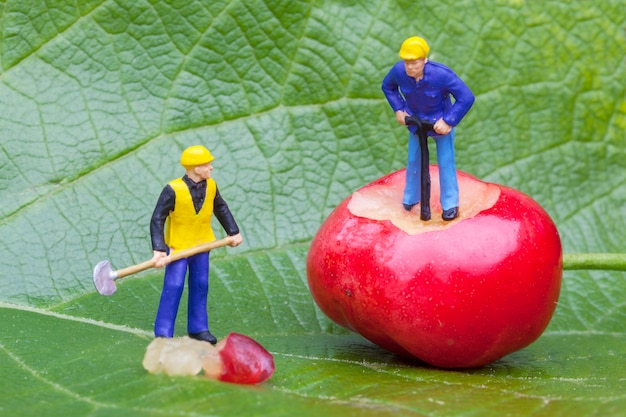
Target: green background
(98, 98)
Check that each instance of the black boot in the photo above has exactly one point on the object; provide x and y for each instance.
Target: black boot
(450, 214)
(204, 336)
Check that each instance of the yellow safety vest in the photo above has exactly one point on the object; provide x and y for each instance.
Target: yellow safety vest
(184, 228)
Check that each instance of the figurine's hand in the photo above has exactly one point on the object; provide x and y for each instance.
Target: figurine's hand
(235, 240)
(400, 116)
(441, 127)
(160, 259)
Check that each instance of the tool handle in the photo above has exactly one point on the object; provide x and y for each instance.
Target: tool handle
(133, 269)
(422, 126)
(185, 253)
(203, 247)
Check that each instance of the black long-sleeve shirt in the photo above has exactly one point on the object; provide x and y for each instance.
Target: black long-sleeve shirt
(167, 202)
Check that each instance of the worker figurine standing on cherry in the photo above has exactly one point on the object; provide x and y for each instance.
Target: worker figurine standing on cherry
(421, 88)
(181, 220)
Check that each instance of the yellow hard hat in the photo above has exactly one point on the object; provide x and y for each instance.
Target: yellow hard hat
(414, 48)
(195, 155)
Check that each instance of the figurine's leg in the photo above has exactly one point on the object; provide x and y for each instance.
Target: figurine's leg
(198, 293)
(447, 171)
(173, 284)
(413, 169)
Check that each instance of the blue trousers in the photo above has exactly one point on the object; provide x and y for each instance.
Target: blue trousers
(448, 182)
(173, 285)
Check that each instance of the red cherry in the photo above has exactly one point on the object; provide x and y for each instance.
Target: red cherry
(244, 360)
(453, 294)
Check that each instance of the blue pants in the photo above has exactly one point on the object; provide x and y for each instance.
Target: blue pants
(448, 182)
(173, 285)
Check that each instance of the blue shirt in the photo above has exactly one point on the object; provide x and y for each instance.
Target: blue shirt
(429, 98)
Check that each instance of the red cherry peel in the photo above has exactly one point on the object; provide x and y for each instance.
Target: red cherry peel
(240, 360)
(457, 294)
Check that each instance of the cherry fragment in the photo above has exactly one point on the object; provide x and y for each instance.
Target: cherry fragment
(241, 360)
(237, 359)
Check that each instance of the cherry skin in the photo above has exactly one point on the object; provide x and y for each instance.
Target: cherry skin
(458, 294)
(239, 359)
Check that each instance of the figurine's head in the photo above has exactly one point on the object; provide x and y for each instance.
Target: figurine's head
(414, 48)
(197, 163)
(194, 156)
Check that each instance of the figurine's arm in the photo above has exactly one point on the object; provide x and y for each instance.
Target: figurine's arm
(226, 219)
(392, 93)
(236, 240)
(441, 127)
(160, 259)
(463, 101)
(401, 116)
(165, 204)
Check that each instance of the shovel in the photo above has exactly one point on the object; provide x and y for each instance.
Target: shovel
(422, 134)
(104, 278)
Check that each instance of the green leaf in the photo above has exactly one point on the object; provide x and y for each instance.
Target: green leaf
(98, 98)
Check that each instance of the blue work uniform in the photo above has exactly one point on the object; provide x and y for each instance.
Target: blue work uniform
(430, 99)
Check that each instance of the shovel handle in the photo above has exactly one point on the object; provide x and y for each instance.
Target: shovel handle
(133, 269)
(185, 253)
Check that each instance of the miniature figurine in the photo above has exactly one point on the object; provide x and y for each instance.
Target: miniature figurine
(420, 89)
(182, 219)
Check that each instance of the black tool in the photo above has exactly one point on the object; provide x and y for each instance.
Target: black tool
(422, 134)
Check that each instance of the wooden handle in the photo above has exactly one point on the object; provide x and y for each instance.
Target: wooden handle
(133, 269)
(203, 247)
(185, 253)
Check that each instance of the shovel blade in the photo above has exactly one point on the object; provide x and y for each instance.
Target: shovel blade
(102, 278)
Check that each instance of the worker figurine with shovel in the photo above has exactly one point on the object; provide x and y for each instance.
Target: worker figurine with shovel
(419, 92)
(181, 220)
(182, 237)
